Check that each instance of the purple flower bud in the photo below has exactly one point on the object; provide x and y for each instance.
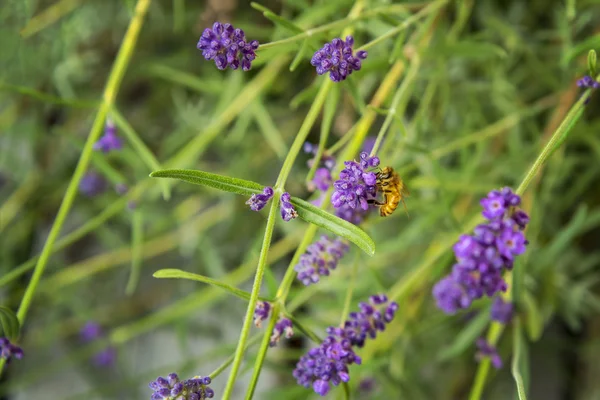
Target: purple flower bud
(109, 141)
(501, 311)
(9, 350)
(338, 59)
(287, 208)
(227, 46)
(487, 350)
(261, 312)
(319, 259)
(92, 184)
(258, 201)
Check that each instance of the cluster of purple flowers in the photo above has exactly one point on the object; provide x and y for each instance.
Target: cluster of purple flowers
(283, 326)
(588, 82)
(109, 141)
(484, 350)
(355, 187)
(9, 350)
(338, 59)
(328, 363)
(320, 258)
(92, 331)
(484, 256)
(171, 388)
(92, 184)
(258, 201)
(227, 46)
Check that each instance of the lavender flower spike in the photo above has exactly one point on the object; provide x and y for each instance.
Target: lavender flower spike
(338, 59)
(487, 350)
(320, 258)
(588, 82)
(258, 201)
(172, 388)
(9, 350)
(288, 212)
(481, 258)
(227, 46)
(356, 185)
(92, 184)
(501, 311)
(109, 141)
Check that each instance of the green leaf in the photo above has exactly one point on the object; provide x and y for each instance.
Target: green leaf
(137, 244)
(276, 19)
(592, 58)
(299, 56)
(533, 322)
(179, 274)
(10, 323)
(221, 182)
(334, 224)
(519, 360)
(465, 339)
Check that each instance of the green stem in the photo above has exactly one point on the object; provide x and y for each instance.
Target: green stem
(308, 123)
(228, 362)
(110, 93)
(262, 351)
(405, 24)
(394, 110)
(328, 114)
(260, 270)
(350, 291)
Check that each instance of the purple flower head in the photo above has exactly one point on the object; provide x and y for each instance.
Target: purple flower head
(356, 185)
(322, 180)
(288, 212)
(487, 350)
(172, 388)
(364, 324)
(109, 141)
(8, 350)
(258, 201)
(588, 82)
(106, 357)
(483, 256)
(501, 311)
(92, 184)
(282, 327)
(338, 59)
(227, 46)
(261, 312)
(326, 365)
(90, 331)
(320, 258)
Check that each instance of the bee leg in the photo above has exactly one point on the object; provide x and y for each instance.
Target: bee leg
(376, 202)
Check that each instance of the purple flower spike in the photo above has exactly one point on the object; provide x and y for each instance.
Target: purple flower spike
(356, 186)
(282, 327)
(326, 365)
(483, 256)
(588, 82)
(92, 184)
(258, 201)
(322, 179)
(227, 46)
(487, 350)
(8, 350)
(372, 318)
(501, 311)
(338, 59)
(320, 258)
(261, 312)
(172, 388)
(109, 141)
(287, 208)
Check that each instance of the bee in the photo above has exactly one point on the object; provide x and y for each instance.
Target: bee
(394, 191)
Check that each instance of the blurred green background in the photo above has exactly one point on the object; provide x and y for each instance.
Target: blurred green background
(484, 86)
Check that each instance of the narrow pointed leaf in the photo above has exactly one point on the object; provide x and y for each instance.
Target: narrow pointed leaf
(10, 323)
(519, 360)
(334, 224)
(221, 182)
(179, 274)
(465, 339)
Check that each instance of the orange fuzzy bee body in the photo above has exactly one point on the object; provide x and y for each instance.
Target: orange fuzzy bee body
(394, 190)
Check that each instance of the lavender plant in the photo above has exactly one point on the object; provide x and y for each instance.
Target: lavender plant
(294, 123)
